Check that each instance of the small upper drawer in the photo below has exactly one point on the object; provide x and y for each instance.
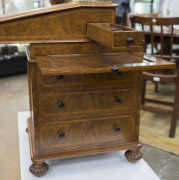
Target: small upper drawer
(114, 36)
(84, 134)
(86, 81)
(81, 104)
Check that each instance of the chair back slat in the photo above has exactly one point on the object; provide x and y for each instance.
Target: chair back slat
(161, 40)
(163, 36)
(144, 43)
(171, 41)
(142, 27)
(140, 19)
(152, 39)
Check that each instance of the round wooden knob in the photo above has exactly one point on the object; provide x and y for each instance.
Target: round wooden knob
(118, 100)
(117, 128)
(89, 123)
(130, 40)
(60, 77)
(61, 134)
(61, 105)
(119, 74)
(116, 71)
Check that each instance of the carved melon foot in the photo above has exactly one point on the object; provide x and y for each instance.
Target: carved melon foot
(133, 155)
(39, 168)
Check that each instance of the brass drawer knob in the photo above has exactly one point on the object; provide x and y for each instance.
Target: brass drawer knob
(118, 100)
(117, 128)
(116, 71)
(60, 77)
(130, 40)
(61, 105)
(61, 134)
(89, 123)
(90, 96)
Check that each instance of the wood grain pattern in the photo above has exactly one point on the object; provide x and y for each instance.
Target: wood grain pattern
(44, 26)
(62, 7)
(86, 104)
(76, 47)
(92, 109)
(56, 155)
(86, 81)
(39, 168)
(82, 135)
(54, 2)
(114, 36)
(152, 138)
(87, 64)
(46, 49)
(133, 155)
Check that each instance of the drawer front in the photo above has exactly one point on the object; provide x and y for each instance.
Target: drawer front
(129, 39)
(76, 104)
(86, 81)
(84, 134)
(113, 35)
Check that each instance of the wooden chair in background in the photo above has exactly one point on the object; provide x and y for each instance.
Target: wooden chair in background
(160, 35)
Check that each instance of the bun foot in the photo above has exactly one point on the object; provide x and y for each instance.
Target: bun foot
(133, 155)
(39, 168)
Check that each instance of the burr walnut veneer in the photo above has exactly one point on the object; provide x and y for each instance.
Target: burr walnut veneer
(84, 76)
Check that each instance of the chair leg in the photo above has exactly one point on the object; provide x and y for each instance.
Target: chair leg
(143, 91)
(156, 86)
(175, 109)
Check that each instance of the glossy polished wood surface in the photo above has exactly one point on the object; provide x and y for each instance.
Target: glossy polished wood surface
(46, 10)
(75, 82)
(114, 36)
(86, 104)
(84, 96)
(44, 26)
(76, 47)
(87, 64)
(54, 2)
(89, 133)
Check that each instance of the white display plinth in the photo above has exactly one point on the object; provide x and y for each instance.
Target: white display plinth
(109, 166)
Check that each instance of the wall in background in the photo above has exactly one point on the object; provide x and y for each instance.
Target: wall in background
(16, 6)
(144, 6)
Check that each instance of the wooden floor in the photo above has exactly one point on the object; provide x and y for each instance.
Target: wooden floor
(154, 127)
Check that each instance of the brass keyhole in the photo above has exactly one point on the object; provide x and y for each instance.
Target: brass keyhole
(90, 96)
(89, 123)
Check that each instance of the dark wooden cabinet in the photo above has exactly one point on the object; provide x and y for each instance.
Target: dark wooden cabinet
(84, 76)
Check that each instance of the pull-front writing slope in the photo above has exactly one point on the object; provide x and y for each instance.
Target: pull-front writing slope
(102, 63)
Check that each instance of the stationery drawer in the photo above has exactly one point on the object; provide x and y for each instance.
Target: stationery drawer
(72, 135)
(80, 104)
(114, 36)
(86, 81)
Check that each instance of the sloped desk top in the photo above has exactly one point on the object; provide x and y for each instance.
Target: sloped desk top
(54, 8)
(54, 24)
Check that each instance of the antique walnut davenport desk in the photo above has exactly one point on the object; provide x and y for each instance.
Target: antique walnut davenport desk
(84, 75)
